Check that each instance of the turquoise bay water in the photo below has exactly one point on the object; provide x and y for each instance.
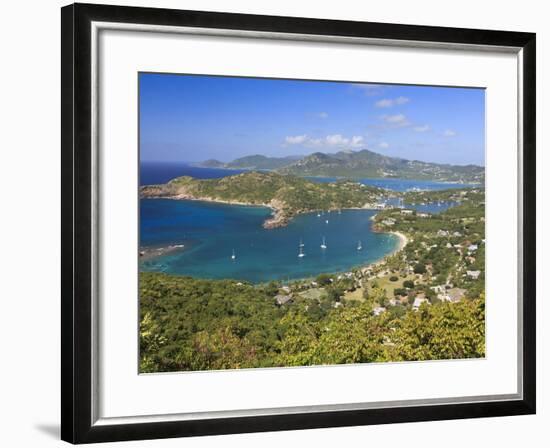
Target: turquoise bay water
(211, 232)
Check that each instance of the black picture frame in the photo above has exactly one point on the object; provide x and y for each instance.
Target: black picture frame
(76, 281)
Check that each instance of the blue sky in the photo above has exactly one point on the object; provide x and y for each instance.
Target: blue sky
(188, 118)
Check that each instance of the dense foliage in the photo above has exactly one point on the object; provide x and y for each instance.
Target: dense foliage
(193, 324)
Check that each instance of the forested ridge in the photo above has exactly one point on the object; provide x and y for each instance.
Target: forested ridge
(195, 324)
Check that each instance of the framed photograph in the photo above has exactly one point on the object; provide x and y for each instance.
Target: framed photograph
(275, 223)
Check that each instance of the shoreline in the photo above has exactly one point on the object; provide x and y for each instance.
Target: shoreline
(277, 219)
(403, 241)
(146, 254)
(150, 253)
(278, 216)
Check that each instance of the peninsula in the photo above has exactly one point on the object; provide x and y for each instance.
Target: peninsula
(286, 195)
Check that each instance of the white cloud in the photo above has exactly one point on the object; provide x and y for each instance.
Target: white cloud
(371, 89)
(336, 139)
(339, 140)
(295, 139)
(390, 102)
(449, 133)
(330, 141)
(322, 114)
(424, 128)
(396, 120)
(384, 103)
(383, 145)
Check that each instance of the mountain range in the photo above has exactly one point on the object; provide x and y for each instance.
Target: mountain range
(356, 164)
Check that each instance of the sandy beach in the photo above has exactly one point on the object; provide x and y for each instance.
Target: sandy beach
(403, 241)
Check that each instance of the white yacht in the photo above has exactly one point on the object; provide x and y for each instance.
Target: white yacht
(324, 244)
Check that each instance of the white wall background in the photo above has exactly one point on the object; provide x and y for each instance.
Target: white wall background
(29, 225)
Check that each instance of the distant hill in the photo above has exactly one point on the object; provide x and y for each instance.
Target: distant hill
(259, 162)
(212, 163)
(367, 163)
(357, 164)
(253, 162)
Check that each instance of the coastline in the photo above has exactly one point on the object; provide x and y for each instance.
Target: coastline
(279, 217)
(403, 241)
(150, 253)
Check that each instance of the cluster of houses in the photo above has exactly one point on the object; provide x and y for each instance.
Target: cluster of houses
(444, 292)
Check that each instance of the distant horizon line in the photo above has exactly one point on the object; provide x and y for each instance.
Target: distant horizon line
(309, 154)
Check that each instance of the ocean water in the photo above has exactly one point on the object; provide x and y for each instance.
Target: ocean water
(400, 184)
(151, 173)
(162, 172)
(211, 232)
(428, 207)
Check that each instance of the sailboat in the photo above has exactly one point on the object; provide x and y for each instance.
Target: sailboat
(326, 221)
(301, 253)
(318, 215)
(324, 244)
(301, 243)
(233, 256)
(359, 245)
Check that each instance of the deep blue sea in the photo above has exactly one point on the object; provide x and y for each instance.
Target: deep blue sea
(161, 172)
(210, 233)
(151, 173)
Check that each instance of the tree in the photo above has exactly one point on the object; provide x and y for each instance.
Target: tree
(420, 268)
(399, 292)
(272, 288)
(441, 331)
(408, 284)
(334, 294)
(323, 279)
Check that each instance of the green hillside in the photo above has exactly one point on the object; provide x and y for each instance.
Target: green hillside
(288, 195)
